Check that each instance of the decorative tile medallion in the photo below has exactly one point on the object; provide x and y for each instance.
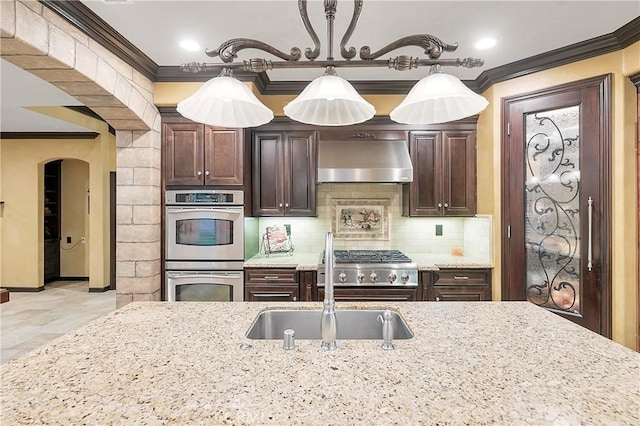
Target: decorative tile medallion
(360, 219)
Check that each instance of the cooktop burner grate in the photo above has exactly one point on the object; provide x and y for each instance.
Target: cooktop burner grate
(370, 256)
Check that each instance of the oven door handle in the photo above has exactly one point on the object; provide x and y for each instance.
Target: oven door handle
(204, 275)
(230, 213)
(221, 277)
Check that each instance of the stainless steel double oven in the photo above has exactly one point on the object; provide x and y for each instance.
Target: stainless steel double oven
(204, 245)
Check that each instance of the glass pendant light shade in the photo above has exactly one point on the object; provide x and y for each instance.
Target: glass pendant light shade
(224, 101)
(438, 98)
(329, 100)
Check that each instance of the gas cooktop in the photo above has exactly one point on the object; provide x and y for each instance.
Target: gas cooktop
(370, 256)
(371, 268)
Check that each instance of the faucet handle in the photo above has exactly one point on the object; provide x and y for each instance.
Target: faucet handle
(289, 339)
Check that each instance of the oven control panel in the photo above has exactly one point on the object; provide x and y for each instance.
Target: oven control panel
(205, 197)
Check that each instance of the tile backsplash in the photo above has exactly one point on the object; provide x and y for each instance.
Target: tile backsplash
(470, 236)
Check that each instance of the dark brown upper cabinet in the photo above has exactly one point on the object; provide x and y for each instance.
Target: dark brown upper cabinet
(444, 173)
(197, 154)
(284, 173)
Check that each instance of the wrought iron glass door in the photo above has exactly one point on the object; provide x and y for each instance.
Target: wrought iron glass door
(552, 209)
(556, 202)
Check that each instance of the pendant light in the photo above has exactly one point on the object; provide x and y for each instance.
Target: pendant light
(226, 102)
(438, 98)
(329, 100)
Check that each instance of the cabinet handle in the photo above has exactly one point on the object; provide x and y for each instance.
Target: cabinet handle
(271, 294)
(206, 173)
(437, 298)
(439, 205)
(589, 241)
(280, 205)
(461, 278)
(286, 205)
(295, 299)
(199, 173)
(446, 205)
(271, 277)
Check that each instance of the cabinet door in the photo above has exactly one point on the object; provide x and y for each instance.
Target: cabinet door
(457, 294)
(268, 174)
(423, 195)
(300, 160)
(223, 156)
(183, 153)
(459, 170)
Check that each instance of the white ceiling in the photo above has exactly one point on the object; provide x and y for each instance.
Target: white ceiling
(522, 28)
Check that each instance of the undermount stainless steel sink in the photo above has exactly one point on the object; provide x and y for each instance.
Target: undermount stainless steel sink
(352, 324)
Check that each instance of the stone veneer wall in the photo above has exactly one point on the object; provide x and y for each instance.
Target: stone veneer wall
(38, 40)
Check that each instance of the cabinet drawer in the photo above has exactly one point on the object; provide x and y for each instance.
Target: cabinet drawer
(276, 276)
(462, 277)
(268, 293)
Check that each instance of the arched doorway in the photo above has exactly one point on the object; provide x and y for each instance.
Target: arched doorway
(79, 66)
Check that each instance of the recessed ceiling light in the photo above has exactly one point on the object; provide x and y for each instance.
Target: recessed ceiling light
(486, 43)
(190, 45)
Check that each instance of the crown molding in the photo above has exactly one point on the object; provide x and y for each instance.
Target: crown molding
(618, 40)
(635, 79)
(91, 24)
(49, 135)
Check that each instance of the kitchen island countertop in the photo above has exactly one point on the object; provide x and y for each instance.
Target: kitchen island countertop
(309, 261)
(189, 363)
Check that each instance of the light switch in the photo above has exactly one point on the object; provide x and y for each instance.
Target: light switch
(438, 230)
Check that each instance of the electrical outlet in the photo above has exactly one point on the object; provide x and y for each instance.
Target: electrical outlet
(83, 240)
(438, 230)
(287, 227)
(68, 240)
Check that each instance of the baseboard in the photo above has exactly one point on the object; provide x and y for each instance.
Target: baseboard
(4, 295)
(73, 279)
(98, 290)
(25, 289)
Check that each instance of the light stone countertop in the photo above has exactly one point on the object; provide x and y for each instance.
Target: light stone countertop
(309, 261)
(300, 261)
(156, 363)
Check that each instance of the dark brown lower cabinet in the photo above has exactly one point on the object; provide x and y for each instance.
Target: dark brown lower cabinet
(271, 285)
(372, 294)
(461, 285)
(308, 286)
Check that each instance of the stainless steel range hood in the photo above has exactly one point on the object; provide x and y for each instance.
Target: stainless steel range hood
(368, 160)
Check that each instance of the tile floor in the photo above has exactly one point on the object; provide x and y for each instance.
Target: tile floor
(29, 320)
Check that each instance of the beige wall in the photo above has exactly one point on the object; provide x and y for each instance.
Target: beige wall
(74, 220)
(624, 257)
(21, 187)
(624, 212)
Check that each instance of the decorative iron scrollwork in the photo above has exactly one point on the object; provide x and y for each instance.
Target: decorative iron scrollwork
(228, 51)
(552, 220)
(351, 52)
(433, 46)
(402, 63)
(308, 52)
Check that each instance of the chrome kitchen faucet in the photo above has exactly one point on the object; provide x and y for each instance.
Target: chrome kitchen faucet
(328, 325)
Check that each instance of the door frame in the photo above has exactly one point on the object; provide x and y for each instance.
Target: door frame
(603, 84)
